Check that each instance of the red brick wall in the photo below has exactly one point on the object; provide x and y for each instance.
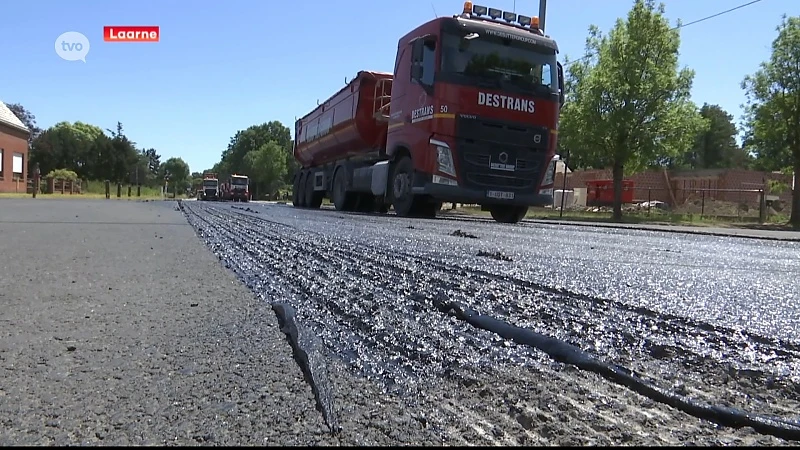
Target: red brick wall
(13, 141)
(653, 184)
(650, 182)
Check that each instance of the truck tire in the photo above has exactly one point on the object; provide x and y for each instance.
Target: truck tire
(296, 191)
(301, 190)
(402, 198)
(405, 203)
(508, 214)
(342, 200)
(313, 199)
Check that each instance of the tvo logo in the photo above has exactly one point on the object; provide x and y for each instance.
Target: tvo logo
(72, 46)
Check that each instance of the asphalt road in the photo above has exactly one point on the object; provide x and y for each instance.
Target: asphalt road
(120, 326)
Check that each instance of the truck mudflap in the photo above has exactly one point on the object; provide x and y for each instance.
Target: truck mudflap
(457, 194)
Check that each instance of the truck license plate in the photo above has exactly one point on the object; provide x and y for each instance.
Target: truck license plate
(500, 194)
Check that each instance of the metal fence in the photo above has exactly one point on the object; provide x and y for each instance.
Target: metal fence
(724, 204)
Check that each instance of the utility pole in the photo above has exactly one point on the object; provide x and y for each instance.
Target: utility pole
(542, 13)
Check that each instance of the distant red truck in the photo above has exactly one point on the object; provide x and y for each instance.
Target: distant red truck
(236, 189)
(470, 115)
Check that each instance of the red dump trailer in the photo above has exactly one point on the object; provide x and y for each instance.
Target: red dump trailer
(350, 127)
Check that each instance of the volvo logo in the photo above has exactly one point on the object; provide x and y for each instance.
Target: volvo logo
(503, 157)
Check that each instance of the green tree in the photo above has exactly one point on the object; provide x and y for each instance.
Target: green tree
(28, 119)
(118, 164)
(267, 165)
(628, 104)
(153, 160)
(772, 113)
(716, 147)
(178, 172)
(252, 139)
(66, 146)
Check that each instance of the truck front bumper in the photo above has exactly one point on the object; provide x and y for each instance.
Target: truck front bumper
(458, 194)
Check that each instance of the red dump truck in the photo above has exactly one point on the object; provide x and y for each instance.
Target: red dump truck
(236, 189)
(470, 115)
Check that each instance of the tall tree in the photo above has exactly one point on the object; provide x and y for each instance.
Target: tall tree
(118, 165)
(773, 109)
(716, 147)
(629, 105)
(153, 159)
(253, 138)
(28, 119)
(178, 172)
(268, 165)
(66, 146)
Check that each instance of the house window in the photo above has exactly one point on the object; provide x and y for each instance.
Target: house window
(2, 153)
(17, 165)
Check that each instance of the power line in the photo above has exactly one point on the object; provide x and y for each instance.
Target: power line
(721, 13)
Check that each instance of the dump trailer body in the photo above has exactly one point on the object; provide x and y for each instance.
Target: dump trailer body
(345, 125)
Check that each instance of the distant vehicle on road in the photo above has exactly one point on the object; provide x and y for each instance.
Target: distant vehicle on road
(470, 115)
(236, 189)
(210, 188)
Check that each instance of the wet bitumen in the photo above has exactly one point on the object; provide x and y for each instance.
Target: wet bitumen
(686, 308)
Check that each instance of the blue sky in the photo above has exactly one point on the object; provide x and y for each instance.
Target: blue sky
(228, 65)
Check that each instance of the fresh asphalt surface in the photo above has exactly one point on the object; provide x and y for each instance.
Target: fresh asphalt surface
(120, 327)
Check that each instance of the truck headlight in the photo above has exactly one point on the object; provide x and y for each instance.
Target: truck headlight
(444, 158)
(549, 176)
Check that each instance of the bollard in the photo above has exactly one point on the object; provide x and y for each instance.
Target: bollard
(138, 190)
(762, 207)
(702, 204)
(108, 189)
(129, 190)
(119, 190)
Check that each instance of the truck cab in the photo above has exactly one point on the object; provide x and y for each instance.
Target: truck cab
(473, 114)
(210, 188)
(239, 188)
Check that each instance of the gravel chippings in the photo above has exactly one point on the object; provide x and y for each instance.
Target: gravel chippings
(118, 327)
(367, 286)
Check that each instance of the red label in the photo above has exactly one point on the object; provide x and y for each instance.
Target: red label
(130, 33)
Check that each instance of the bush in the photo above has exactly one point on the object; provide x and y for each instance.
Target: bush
(62, 174)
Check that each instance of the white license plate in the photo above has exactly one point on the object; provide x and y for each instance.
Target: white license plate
(500, 194)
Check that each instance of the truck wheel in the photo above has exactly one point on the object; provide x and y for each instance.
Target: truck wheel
(296, 191)
(508, 214)
(342, 200)
(402, 198)
(313, 200)
(301, 190)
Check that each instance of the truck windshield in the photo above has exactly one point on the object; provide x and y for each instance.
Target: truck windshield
(497, 62)
(239, 181)
(209, 184)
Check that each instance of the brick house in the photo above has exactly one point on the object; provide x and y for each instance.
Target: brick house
(13, 152)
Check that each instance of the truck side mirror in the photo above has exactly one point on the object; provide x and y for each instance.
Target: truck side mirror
(561, 94)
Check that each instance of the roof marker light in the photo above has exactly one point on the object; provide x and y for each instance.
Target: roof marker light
(467, 7)
(480, 10)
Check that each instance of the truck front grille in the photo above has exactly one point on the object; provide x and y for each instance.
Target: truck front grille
(517, 151)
